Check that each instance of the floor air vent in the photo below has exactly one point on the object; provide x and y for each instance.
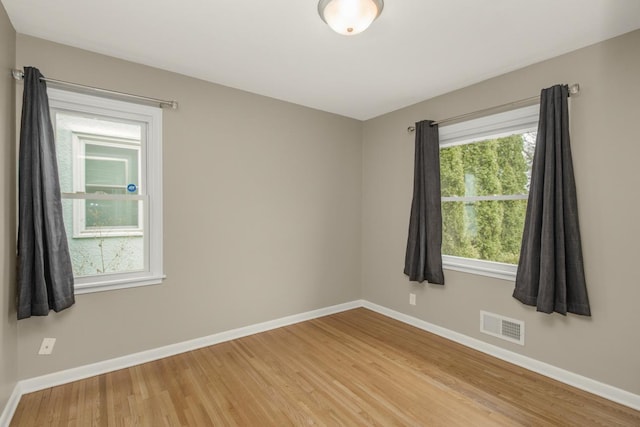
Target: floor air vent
(502, 327)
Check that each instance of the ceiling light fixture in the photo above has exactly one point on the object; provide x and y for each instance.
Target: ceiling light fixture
(349, 17)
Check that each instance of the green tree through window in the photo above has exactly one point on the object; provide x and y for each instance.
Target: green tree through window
(484, 191)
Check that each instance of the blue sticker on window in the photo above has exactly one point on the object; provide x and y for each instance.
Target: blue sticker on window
(131, 188)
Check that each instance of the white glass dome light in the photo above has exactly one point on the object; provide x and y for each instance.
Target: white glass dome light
(349, 17)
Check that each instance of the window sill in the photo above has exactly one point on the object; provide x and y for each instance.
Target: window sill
(496, 270)
(90, 285)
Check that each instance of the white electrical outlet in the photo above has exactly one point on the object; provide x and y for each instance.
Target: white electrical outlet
(47, 346)
(412, 299)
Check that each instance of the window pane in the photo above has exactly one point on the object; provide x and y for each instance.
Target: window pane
(109, 248)
(488, 230)
(498, 166)
(111, 214)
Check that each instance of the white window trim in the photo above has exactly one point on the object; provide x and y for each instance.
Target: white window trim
(523, 119)
(495, 126)
(80, 229)
(151, 154)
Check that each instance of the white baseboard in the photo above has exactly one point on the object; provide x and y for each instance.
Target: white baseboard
(98, 368)
(11, 406)
(57, 378)
(587, 384)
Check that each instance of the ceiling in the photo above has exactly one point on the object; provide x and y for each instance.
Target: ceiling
(417, 49)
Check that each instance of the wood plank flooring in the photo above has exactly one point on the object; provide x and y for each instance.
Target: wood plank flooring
(353, 368)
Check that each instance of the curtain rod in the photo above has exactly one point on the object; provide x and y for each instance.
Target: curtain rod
(19, 75)
(574, 89)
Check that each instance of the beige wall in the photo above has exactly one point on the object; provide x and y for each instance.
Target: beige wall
(8, 329)
(606, 153)
(261, 216)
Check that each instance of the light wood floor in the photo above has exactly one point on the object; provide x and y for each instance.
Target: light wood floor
(352, 368)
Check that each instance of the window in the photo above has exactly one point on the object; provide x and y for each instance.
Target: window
(485, 170)
(110, 167)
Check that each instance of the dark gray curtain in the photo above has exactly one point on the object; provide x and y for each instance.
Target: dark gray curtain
(550, 272)
(45, 276)
(423, 260)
